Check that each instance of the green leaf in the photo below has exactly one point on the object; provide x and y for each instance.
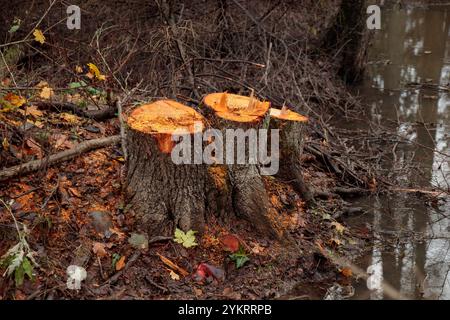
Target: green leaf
(93, 91)
(76, 85)
(115, 259)
(241, 260)
(27, 267)
(15, 26)
(186, 239)
(19, 274)
(240, 257)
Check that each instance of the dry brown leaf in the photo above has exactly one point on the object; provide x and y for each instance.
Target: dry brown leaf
(198, 292)
(75, 192)
(257, 249)
(119, 234)
(99, 249)
(34, 148)
(34, 111)
(121, 263)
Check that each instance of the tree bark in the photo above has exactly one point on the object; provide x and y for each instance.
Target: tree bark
(291, 150)
(348, 37)
(248, 193)
(163, 194)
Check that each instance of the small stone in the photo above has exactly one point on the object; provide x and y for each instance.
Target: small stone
(92, 129)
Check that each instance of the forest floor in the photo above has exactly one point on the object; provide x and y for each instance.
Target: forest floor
(74, 212)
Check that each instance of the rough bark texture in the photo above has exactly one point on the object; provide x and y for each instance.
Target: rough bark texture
(164, 195)
(291, 150)
(248, 193)
(348, 36)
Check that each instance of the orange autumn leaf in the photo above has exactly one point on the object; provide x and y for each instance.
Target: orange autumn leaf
(346, 272)
(121, 263)
(14, 99)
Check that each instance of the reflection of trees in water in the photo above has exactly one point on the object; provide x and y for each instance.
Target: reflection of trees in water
(414, 267)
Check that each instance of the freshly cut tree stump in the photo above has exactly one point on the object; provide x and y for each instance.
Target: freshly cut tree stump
(164, 195)
(290, 124)
(249, 196)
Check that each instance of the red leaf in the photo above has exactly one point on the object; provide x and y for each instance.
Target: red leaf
(230, 242)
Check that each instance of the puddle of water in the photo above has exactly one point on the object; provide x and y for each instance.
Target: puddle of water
(412, 47)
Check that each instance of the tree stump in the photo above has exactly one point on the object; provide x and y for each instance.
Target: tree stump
(290, 125)
(163, 194)
(248, 193)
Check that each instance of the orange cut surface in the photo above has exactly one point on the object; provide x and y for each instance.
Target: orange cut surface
(235, 107)
(166, 117)
(285, 114)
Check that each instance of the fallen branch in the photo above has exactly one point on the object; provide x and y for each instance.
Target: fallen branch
(98, 115)
(420, 191)
(59, 157)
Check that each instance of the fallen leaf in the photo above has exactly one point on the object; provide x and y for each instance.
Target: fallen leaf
(36, 123)
(120, 235)
(121, 263)
(346, 272)
(173, 275)
(6, 82)
(34, 148)
(99, 249)
(339, 227)
(46, 93)
(59, 139)
(39, 36)
(34, 111)
(78, 69)
(198, 292)
(74, 192)
(14, 99)
(172, 265)
(186, 239)
(71, 118)
(257, 249)
(230, 242)
(42, 84)
(93, 70)
(5, 143)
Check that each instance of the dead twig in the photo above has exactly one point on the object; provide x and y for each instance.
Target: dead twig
(56, 158)
(97, 115)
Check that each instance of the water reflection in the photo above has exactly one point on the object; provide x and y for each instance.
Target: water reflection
(410, 59)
